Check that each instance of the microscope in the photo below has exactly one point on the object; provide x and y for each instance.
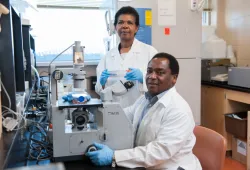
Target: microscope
(77, 125)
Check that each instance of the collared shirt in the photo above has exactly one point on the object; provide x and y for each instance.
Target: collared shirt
(151, 100)
(167, 125)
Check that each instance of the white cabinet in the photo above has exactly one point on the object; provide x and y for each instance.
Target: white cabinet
(188, 84)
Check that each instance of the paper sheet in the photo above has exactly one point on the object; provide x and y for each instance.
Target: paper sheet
(166, 12)
(241, 147)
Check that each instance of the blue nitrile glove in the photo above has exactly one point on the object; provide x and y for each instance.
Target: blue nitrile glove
(104, 76)
(88, 98)
(102, 157)
(68, 98)
(134, 74)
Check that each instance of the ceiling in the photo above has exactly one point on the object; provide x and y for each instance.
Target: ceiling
(71, 3)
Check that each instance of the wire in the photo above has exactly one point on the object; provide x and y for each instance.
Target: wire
(43, 72)
(6, 94)
(17, 117)
(60, 54)
(9, 110)
(49, 99)
(38, 76)
(40, 148)
(13, 112)
(45, 81)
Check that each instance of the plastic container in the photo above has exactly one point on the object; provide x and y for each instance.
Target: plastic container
(78, 97)
(117, 73)
(214, 48)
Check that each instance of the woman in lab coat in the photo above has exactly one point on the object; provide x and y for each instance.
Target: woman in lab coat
(130, 54)
(163, 125)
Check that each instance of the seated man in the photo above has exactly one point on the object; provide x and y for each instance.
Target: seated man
(163, 124)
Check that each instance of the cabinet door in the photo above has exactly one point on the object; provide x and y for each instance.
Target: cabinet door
(203, 89)
(213, 108)
(235, 102)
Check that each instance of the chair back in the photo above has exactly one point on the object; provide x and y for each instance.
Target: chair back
(210, 148)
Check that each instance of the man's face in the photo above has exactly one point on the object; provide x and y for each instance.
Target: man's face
(126, 27)
(159, 77)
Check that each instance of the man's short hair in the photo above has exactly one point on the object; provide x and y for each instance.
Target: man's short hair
(173, 63)
(127, 10)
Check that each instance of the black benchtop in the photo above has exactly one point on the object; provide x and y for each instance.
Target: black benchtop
(225, 85)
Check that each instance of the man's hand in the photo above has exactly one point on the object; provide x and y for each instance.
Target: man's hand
(134, 74)
(102, 157)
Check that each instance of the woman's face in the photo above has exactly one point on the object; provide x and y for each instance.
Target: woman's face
(126, 27)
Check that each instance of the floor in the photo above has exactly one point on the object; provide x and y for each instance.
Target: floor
(231, 164)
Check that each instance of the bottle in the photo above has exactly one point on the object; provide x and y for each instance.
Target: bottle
(76, 98)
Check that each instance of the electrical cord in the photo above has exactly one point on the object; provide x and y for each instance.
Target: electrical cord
(40, 148)
(6, 94)
(37, 75)
(41, 106)
(8, 111)
(18, 115)
(43, 72)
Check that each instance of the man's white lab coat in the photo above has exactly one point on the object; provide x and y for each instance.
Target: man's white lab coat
(138, 57)
(165, 137)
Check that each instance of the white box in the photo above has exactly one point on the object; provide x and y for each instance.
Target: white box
(239, 150)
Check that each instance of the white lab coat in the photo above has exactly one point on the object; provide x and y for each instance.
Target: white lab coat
(138, 57)
(165, 137)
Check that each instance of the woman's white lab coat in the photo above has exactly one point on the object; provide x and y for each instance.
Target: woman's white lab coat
(165, 136)
(138, 57)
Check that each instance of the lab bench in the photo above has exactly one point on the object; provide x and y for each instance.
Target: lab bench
(14, 149)
(219, 99)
